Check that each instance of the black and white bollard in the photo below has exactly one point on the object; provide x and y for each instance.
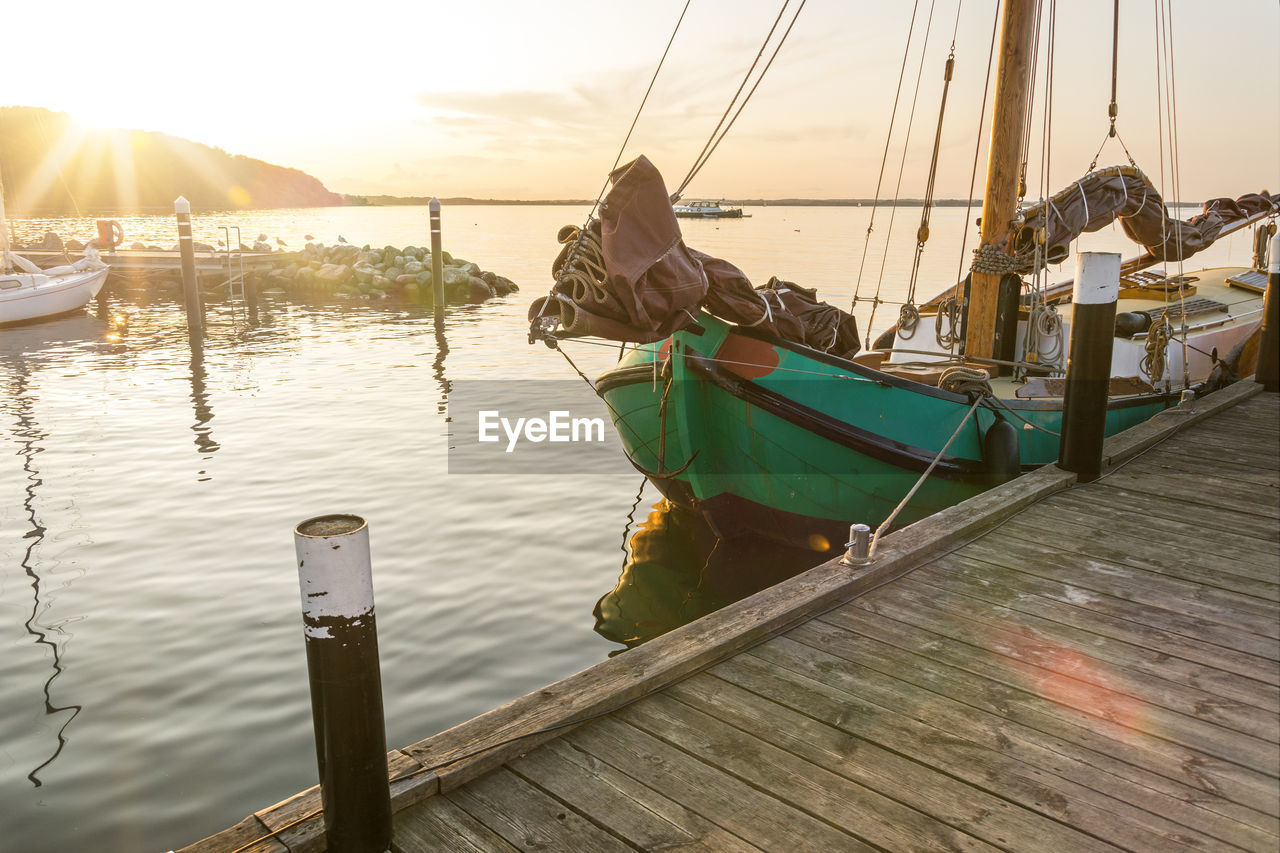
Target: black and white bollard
(1269, 347)
(336, 580)
(190, 287)
(437, 261)
(1084, 405)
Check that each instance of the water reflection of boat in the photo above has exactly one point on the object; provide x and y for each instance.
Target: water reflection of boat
(71, 330)
(676, 571)
(53, 636)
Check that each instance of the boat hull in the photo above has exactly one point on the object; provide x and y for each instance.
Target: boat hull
(777, 440)
(27, 297)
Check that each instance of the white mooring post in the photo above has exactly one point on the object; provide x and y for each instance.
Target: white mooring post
(336, 580)
(1093, 322)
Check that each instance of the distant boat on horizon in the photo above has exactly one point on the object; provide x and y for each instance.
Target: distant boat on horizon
(708, 210)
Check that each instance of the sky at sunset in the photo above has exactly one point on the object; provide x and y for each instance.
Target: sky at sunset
(533, 99)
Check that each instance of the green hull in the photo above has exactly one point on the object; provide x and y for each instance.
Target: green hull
(777, 439)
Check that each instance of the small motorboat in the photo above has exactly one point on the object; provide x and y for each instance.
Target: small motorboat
(707, 210)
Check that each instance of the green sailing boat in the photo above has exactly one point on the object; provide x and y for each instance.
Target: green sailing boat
(758, 407)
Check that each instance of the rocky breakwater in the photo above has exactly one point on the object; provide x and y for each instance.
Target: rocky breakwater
(349, 271)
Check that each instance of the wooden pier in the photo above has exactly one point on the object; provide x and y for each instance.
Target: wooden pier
(144, 263)
(1046, 666)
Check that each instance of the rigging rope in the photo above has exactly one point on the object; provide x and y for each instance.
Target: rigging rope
(697, 166)
(640, 109)
(897, 190)
(952, 337)
(1113, 110)
(922, 233)
(884, 159)
(732, 101)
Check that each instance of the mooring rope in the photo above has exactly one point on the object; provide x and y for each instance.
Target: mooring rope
(897, 509)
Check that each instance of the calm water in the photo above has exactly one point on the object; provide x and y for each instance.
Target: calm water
(154, 682)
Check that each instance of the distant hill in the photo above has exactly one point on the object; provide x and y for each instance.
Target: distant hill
(49, 165)
(390, 200)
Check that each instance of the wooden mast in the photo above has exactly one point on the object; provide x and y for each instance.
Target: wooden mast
(1000, 201)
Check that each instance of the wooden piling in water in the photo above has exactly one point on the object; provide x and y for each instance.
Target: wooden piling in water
(190, 284)
(437, 261)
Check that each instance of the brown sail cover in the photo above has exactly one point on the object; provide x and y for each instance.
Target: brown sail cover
(1125, 193)
(645, 283)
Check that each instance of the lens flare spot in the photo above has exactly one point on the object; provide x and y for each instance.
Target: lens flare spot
(239, 196)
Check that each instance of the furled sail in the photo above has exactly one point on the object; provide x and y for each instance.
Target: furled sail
(630, 277)
(1124, 193)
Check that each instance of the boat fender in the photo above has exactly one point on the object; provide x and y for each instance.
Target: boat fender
(1130, 323)
(1000, 455)
(110, 234)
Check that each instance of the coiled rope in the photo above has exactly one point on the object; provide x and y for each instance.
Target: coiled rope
(1157, 347)
(1044, 324)
(971, 381)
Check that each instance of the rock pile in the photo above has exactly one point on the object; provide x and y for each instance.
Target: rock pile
(342, 270)
(346, 270)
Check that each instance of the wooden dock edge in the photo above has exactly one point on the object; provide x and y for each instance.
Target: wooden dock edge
(468, 750)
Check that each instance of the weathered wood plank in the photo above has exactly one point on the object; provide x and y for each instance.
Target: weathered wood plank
(1190, 490)
(1081, 662)
(298, 821)
(1207, 514)
(978, 748)
(988, 748)
(1047, 561)
(928, 789)
(1197, 451)
(1178, 561)
(1137, 439)
(1158, 630)
(1243, 555)
(248, 836)
(528, 818)
(625, 807)
(439, 825)
(1235, 471)
(739, 808)
(856, 809)
(937, 665)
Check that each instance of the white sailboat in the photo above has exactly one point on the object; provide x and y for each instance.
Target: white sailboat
(28, 293)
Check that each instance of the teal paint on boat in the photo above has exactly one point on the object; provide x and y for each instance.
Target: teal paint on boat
(753, 429)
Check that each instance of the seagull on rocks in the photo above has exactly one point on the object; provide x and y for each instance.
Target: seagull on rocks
(262, 238)
(281, 242)
(341, 239)
(308, 237)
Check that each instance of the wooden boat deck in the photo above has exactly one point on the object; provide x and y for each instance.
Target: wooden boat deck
(1047, 666)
